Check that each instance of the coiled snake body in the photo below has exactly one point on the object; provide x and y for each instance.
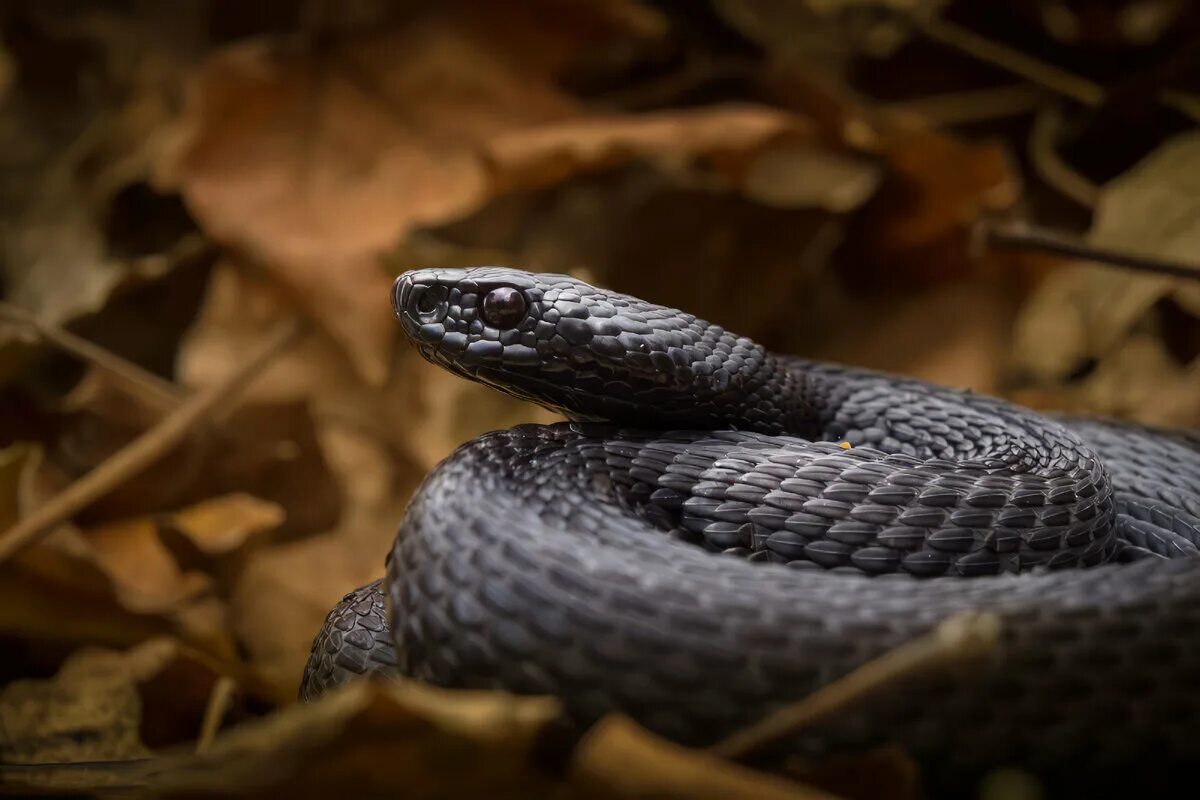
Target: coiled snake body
(598, 559)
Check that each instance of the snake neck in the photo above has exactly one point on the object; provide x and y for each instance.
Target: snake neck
(752, 390)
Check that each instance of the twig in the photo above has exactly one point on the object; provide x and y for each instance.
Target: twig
(1022, 236)
(1051, 168)
(961, 638)
(215, 710)
(162, 390)
(1034, 70)
(145, 449)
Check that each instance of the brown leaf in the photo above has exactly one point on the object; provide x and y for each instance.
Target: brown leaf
(1086, 314)
(222, 525)
(617, 760)
(314, 163)
(384, 740)
(130, 584)
(264, 449)
(106, 705)
(917, 227)
(144, 571)
(729, 135)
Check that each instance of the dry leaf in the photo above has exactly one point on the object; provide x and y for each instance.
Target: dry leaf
(551, 153)
(106, 705)
(144, 571)
(797, 175)
(130, 584)
(917, 227)
(382, 739)
(618, 760)
(314, 163)
(1088, 313)
(222, 525)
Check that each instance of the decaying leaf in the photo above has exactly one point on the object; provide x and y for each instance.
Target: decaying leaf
(106, 705)
(617, 760)
(384, 740)
(917, 226)
(145, 573)
(729, 136)
(1088, 313)
(130, 584)
(314, 163)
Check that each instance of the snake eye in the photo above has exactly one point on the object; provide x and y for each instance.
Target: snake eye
(503, 307)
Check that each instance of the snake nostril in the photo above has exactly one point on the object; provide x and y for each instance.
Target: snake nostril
(427, 303)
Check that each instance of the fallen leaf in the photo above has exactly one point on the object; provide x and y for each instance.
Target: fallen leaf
(144, 571)
(796, 175)
(314, 163)
(1086, 314)
(729, 135)
(916, 228)
(68, 155)
(618, 760)
(384, 740)
(222, 525)
(131, 586)
(105, 705)
(266, 449)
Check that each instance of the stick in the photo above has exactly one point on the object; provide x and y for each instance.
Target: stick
(218, 705)
(1051, 167)
(960, 638)
(1022, 236)
(145, 449)
(162, 390)
(1034, 70)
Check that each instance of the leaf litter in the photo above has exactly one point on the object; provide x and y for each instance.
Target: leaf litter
(290, 163)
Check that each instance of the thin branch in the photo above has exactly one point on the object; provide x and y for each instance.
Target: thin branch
(1022, 236)
(162, 390)
(219, 702)
(1036, 71)
(1051, 168)
(145, 449)
(961, 638)
(1011, 60)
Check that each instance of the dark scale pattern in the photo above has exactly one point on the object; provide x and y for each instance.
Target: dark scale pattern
(355, 641)
(713, 550)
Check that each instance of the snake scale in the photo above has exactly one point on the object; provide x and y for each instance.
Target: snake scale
(720, 530)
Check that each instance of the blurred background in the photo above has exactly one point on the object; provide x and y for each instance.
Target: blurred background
(202, 193)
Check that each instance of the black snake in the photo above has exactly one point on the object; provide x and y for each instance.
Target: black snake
(721, 530)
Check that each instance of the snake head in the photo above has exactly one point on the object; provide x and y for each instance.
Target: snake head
(577, 349)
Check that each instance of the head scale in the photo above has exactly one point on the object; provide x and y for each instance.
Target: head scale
(584, 351)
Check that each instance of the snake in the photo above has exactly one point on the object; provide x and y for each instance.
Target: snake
(717, 531)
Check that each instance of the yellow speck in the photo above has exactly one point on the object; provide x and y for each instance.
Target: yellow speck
(845, 445)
